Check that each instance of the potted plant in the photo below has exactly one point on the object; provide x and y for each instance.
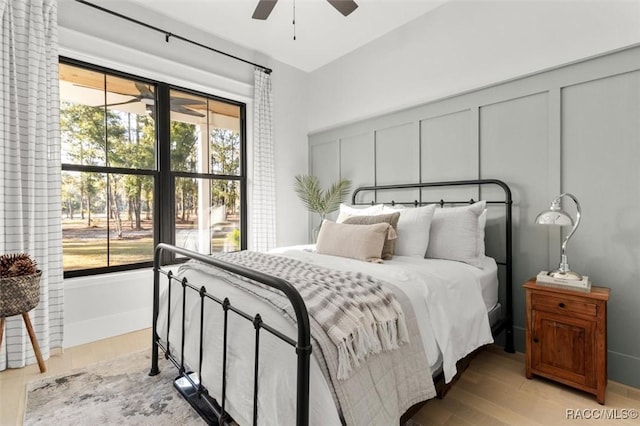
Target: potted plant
(319, 201)
(19, 284)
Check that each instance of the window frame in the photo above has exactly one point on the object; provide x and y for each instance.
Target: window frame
(164, 224)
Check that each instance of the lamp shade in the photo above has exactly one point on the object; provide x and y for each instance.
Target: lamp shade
(554, 217)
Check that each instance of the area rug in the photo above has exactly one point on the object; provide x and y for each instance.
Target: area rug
(114, 392)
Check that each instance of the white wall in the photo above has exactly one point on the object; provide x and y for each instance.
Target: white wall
(105, 305)
(102, 306)
(290, 135)
(465, 45)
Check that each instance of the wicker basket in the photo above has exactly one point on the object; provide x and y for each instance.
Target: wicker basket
(19, 294)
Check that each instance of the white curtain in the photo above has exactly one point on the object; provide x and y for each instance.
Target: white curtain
(263, 204)
(30, 209)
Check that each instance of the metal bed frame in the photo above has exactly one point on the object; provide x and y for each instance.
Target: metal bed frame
(188, 383)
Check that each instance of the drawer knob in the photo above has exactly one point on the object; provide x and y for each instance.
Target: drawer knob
(535, 340)
(561, 304)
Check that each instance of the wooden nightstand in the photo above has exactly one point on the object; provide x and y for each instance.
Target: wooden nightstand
(566, 336)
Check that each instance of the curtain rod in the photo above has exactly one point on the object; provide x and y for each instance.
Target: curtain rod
(168, 35)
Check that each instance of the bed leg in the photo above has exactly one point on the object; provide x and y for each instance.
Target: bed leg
(154, 358)
(154, 316)
(206, 406)
(508, 343)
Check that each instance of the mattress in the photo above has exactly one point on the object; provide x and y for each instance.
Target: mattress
(448, 296)
(487, 276)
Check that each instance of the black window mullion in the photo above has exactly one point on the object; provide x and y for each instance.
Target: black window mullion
(107, 163)
(108, 177)
(101, 169)
(243, 181)
(198, 175)
(165, 190)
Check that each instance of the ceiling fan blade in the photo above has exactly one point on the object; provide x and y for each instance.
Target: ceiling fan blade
(186, 101)
(144, 90)
(130, 101)
(263, 9)
(183, 110)
(344, 6)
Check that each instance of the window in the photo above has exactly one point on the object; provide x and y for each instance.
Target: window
(137, 171)
(205, 166)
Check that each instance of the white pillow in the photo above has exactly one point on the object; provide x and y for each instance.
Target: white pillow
(413, 229)
(348, 211)
(482, 222)
(454, 234)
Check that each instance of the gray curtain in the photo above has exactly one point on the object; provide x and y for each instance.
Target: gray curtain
(30, 166)
(263, 204)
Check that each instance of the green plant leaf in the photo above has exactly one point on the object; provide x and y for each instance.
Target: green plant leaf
(308, 190)
(315, 199)
(335, 195)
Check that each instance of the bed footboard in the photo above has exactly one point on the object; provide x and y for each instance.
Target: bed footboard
(188, 383)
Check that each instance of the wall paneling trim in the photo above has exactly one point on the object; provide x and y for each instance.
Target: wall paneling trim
(575, 128)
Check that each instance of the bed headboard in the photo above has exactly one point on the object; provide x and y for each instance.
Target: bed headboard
(506, 324)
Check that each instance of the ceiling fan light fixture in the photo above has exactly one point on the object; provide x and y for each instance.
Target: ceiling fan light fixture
(264, 7)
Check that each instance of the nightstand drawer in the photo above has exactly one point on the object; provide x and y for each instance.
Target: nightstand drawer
(563, 304)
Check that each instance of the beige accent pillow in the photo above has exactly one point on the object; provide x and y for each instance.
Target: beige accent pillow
(362, 242)
(392, 219)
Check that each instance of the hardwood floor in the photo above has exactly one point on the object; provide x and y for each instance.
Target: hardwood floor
(493, 390)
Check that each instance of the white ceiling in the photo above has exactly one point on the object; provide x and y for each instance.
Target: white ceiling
(322, 33)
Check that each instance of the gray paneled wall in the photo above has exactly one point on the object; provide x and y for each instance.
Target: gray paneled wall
(397, 160)
(511, 133)
(325, 168)
(357, 162)
(575, 128)
(449, 151)
(601, 153)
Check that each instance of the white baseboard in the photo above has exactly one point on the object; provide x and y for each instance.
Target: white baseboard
(82, 332)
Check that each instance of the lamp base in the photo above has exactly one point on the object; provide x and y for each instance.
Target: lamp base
(546, 279)
(565, 275)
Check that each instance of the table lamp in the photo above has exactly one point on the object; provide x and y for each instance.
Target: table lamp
(556, 216)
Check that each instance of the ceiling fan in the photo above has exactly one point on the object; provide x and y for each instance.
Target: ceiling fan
(264, 7)
(176, 104)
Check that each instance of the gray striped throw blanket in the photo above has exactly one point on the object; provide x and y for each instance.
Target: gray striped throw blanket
(357, 313)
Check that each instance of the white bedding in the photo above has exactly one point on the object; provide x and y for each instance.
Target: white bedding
(447, 295)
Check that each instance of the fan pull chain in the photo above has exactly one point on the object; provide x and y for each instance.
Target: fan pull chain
(294, 20)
